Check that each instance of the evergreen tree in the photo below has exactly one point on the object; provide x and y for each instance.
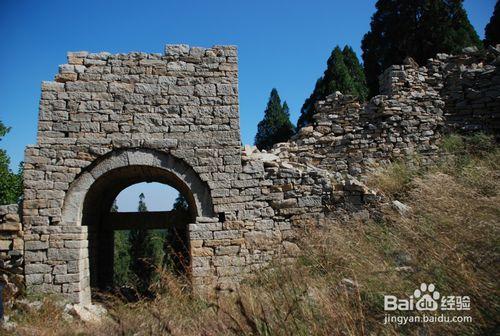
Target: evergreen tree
(276, 126)
(121, 271)
(492, 30)
(180, 204)
(142, 253)
(114, 207)
(415, 28)
(11, 186)
(343, 73)
(355, 70)
(175, 248)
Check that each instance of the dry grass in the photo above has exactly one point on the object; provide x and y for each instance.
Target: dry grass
(450, 238)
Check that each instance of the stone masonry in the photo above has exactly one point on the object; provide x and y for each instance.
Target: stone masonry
(11, 251)
(417, 106)
(111, 120)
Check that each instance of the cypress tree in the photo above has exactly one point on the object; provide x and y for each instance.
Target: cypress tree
(415, 28)
(121, 271)
(175, 248)
(344, 74)
(142, 253)
(492, 30)
(357, 74)
(180, 204)
(276, 126)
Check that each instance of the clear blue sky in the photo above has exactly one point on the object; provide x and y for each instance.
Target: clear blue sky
(282, 44)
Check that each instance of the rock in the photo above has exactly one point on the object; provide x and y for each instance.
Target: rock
(349, 283)
(402, 258)
(410, 62)
(7, 324)
(470, 50)
(404, 269)
(32, 305)
(291, 248)
(89, 313)
(401, 208)
(249, 150)
(306, 131)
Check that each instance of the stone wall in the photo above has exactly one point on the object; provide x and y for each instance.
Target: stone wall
(470, 87)
(349, 137)
(417, 106)
(109, 121)
(112, 120)
(11, 251)
(183, 104)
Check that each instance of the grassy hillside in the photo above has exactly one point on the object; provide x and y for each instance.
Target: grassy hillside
(448, 236)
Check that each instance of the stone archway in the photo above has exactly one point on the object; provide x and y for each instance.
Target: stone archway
(142, 165)
(91, 195)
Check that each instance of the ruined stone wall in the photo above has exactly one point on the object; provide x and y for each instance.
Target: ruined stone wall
(349, 137)
(417, 106)
(183, 103)
(11, 251)
(108, 121)
(470, 87)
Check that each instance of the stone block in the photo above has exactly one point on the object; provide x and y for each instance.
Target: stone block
(37, 268)
(5, 244)
(64, 254)
(33, 279)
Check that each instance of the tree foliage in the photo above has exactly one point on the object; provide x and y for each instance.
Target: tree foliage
(121, 266)
(11, 186)
(415, 28)
(142, 252)
(181, 204)
(343, 73)
(138, 253)
(175, 248)
(276, 126)
(492, 30)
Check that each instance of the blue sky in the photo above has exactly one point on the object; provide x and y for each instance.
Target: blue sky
(282, 44)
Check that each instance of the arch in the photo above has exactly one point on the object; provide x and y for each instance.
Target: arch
(121, 168)
(90, 196)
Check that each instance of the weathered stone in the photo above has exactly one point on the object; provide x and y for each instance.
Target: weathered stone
(37, 268)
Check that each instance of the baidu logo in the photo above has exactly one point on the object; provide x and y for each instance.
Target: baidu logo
(427, 297)
(424, 298)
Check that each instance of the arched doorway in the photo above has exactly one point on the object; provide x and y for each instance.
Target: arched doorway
(91, 196)
(143, 255)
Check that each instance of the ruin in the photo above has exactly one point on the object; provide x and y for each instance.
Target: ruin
(112, 120)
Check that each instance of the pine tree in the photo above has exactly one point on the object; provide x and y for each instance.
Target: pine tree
(492, 30)
(415, 28)
(175, 247)
(276, 126)
(142, 253)
(11, 186)
(114, 207)
(355, 70)
(344, 74)
(180, 204)
(121, 271)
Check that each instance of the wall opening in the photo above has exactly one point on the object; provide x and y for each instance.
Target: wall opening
(91, 196)
(128, 249)
(148, 247)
